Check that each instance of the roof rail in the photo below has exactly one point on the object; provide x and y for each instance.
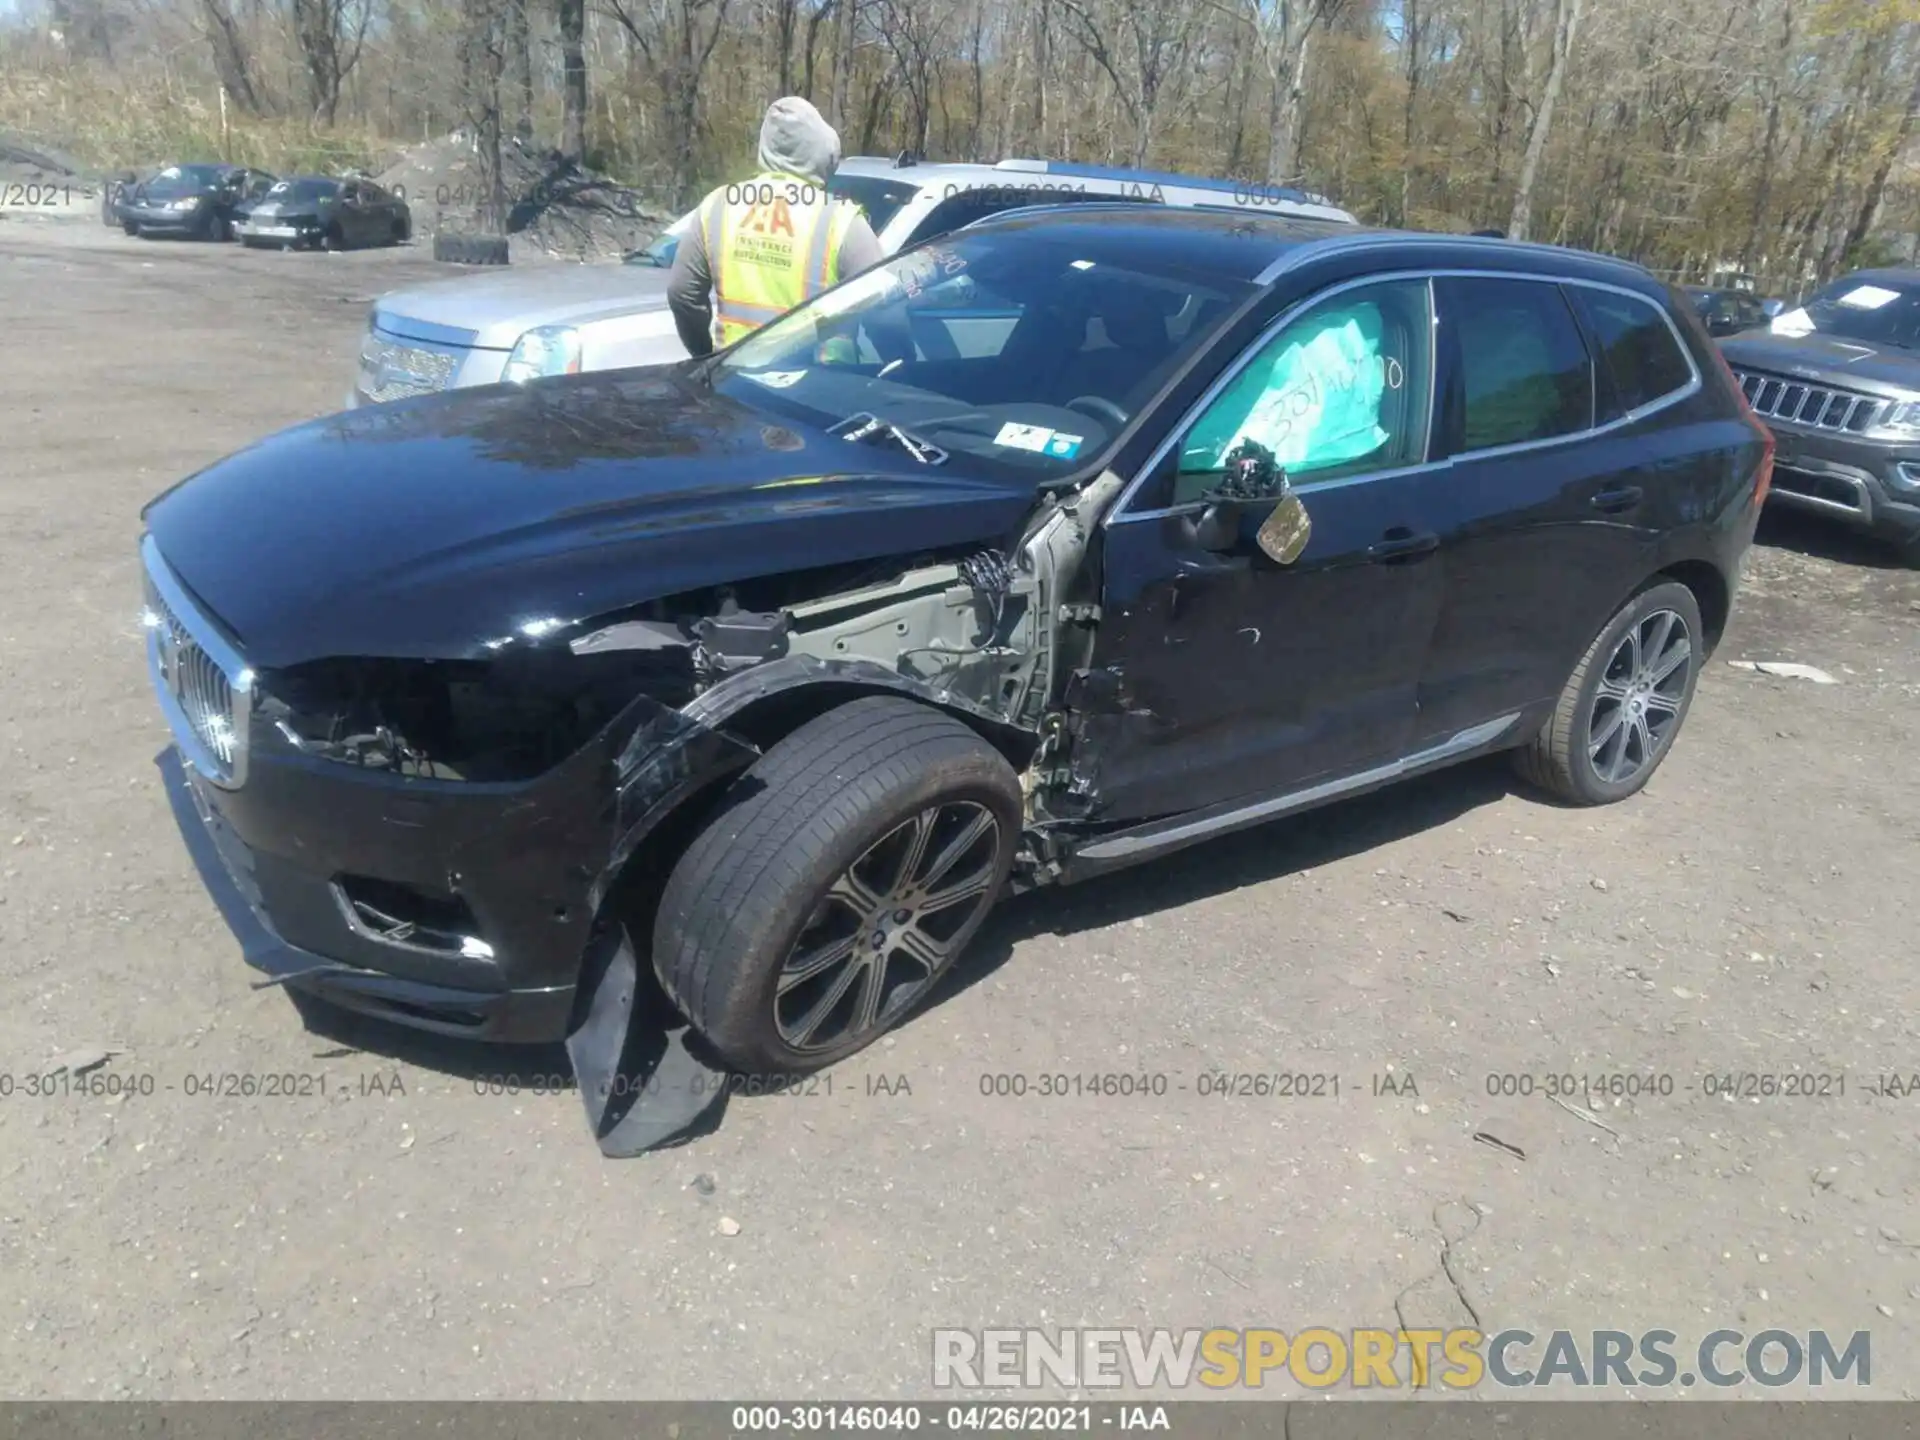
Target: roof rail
(1033, 167)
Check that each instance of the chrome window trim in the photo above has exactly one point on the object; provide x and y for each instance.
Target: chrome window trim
(1120, 514)
(207, 636)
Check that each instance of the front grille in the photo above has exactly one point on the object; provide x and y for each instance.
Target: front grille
(393, 371)
(204, 689)
(1819, 407)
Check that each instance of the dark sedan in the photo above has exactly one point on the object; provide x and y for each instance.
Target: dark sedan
(195, 201)
(321, 213)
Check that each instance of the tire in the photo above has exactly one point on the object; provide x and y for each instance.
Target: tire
(332, 238)
(129, 227)
(844, 795)
(1563, 758)
(402, 232)
(470, 249)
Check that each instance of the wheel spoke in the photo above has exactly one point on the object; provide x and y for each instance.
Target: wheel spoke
(957, 848)
(1604, 732)
(1671, 661)
(1617, 743)
(1614, 690)
(1668, 705)
(919, 832)
(1644, 740)
(810, 1022)
(969, 887)
(800, 969)
(855, 893)
(873, 989)
(921, 948)
(1632, 646)
(1665, 623)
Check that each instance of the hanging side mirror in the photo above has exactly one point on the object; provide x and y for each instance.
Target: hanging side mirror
(1254, 479)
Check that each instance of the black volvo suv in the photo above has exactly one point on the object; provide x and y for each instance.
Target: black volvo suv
(1837, 380)
(1063, 542)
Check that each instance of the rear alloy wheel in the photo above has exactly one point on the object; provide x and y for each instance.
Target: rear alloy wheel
(842, 877)
(1624, 703)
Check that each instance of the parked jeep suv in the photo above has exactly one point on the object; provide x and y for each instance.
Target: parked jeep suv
(1837, 380)
(552, 319)
(1117, 529)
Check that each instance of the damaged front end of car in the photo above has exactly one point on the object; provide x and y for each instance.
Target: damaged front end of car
(493, 827)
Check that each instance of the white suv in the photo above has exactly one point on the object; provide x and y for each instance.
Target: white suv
(546, 320)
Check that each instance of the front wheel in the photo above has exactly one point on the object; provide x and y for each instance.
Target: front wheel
(1624, 703)
(842, 877)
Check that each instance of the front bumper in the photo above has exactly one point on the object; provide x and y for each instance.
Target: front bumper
(153, 220)
(238, 880)
(282, 231)
(1860, 482)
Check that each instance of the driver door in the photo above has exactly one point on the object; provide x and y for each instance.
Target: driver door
(1233, 675)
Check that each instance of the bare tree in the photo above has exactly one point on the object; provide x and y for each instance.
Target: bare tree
(483, 59)
(677, 40)
(231, 56)
(572, 16)
(1142, 50)
(1566, 26)
(331, 34)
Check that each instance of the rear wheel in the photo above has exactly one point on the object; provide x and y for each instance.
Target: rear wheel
(333, 238)
(843, 876)
(1622, 707)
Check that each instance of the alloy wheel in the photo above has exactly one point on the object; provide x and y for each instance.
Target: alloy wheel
(1636, 707)
(887, 928)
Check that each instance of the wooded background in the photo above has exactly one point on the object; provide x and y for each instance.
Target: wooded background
(1772, 135)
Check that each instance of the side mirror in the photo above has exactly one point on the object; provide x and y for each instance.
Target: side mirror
(1218, 528)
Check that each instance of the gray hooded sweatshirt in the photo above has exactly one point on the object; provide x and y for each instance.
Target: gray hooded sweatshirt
(794, 140)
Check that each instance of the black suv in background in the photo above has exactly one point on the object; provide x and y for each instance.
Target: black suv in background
(1837, 380)
(1727, 312)
(1057, 544)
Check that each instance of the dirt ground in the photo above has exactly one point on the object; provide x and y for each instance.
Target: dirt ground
(404, 1236)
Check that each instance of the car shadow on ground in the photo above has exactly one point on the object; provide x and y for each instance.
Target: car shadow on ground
(1819, 538)
(1255, 856)
(1250, 857)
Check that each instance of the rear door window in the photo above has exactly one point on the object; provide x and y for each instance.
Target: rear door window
(1520, 371)
(1637, 346)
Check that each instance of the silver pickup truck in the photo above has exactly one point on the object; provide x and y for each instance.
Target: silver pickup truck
(551, 320)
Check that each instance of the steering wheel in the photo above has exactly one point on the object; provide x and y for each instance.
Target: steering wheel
(1100, 408)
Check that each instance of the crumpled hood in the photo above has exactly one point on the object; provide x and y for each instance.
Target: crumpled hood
(1852, 363)
(502, 307)
(428, 527)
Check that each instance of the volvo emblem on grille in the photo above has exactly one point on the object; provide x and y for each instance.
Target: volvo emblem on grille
(169, 643)
(1805, 372)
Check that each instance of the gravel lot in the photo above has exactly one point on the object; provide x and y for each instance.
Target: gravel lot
(403, 1236)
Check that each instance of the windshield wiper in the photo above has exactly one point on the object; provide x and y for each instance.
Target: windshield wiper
(867, 426)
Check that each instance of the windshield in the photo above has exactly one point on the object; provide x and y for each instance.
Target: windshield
(1016, 349)
(1881, 311)
(298, 191)
(659, 253)
(184, 179)
(879, 200)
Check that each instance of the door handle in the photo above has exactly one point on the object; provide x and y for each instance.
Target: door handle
(1617, 502)
(1400, 543)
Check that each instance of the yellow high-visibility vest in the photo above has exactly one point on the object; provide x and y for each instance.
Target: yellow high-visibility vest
(776, 244)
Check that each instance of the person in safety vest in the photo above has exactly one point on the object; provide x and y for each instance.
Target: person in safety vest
(763, 246)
